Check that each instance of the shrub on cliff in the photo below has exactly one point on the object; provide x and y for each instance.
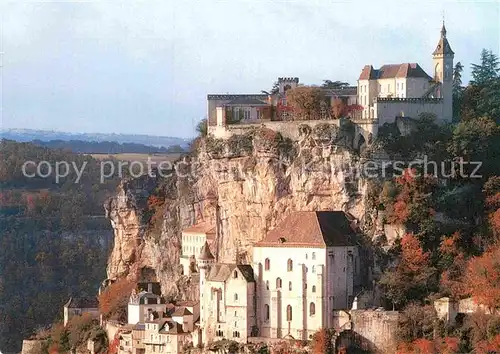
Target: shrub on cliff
(114, 299)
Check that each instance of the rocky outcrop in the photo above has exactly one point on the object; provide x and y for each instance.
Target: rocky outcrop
(252, 181)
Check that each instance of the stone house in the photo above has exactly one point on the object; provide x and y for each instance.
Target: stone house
(77, 306)
(141, 304)
(164, 335)
(228, 307)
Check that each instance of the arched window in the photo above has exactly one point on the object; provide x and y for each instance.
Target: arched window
(267, 264)
(313, 269)
(314, 255)
(266, 312)
(235, 297)
(267, 284)
(314, 288)
(278, 283)
(289, 265)
(289, 313)
(235, 274)
(306, 255)
(312, 309)
(290, 285)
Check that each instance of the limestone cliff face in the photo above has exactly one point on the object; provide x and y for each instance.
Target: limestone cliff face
(253, 181)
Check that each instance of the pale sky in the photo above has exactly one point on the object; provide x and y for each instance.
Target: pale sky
(145, 67)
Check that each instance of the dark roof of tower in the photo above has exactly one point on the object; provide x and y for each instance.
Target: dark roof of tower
(311, 229)
(205, 254)
(443, 47)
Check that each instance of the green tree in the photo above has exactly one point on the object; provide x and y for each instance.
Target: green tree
(477, 141)
(202, 127)
(457, 90)
(487, 70)
(486, 81)
(334, 84)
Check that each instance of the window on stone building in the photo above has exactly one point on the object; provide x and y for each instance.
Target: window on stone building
(235, 297)
(313, 269)
(289, 313)
(312, 309)
(278, 283)
(266, 312)
(314, 255)
(289, 265)
(314, 288)
(235, 274)
(306, 255)
(267, 284)
(267, 264)
(290, 285)
(235, 313)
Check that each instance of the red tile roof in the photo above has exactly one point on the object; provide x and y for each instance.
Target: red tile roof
(390, 71)
(311, 229)
(203, 227)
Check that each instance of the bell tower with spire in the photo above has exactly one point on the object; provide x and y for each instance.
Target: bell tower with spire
(443, 73)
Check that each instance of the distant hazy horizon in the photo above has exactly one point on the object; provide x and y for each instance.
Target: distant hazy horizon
(146, 68)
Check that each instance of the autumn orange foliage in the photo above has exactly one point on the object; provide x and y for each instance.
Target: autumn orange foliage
(447, 345)
(483, 278)
(113, 300)
(413, 256)
(413, 191)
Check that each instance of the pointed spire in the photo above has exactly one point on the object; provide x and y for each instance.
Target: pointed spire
(443, 47)
(205, 254)
(443, 30)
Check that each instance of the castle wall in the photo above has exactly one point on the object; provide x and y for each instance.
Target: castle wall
(32, 346)
(386, 110)
(289, 129)
(371, 330)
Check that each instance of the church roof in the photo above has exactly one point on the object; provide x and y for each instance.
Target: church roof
(311, 229)
(203, 227)
(171, 327)
(221, 272)
(443, 47)
(205, 254)
(182, 311)
(89, 302)
(390, 71)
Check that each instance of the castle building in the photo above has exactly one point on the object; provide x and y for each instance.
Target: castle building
(380, 96)
(407, 90)
(305, 269)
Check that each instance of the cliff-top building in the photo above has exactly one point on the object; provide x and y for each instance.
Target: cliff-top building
(380, 96)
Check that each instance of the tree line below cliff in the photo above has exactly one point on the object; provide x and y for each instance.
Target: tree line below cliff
(54, 239)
